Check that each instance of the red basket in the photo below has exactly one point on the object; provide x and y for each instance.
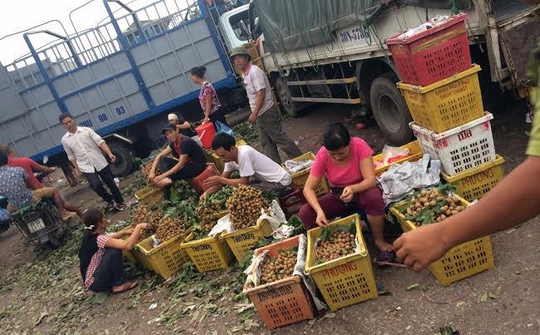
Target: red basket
(432, 55)
(198, 182)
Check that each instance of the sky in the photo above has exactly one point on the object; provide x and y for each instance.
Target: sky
(23, 14)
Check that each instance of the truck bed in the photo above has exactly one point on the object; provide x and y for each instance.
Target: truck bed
(505, 9)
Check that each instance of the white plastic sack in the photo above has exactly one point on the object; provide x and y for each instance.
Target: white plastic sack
(294, 166)
(401, 179)
(275, 218)
(253, 272)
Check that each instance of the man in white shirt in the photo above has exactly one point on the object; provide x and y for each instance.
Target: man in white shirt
(263, 111)
(84, 147)
(255, 168)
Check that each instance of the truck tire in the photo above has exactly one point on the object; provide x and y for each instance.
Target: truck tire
(285, 98)
(390, 110)
(124, 161)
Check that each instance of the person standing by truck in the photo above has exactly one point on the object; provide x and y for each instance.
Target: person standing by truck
(84, 147)
(263, 111)
(207, 97)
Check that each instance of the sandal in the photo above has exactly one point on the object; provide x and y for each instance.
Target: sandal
(385, 257)
(126, 286)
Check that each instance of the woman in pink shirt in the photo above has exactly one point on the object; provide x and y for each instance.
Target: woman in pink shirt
(348, 165)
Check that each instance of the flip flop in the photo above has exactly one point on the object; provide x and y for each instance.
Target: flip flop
(126, 286)
(385, 257)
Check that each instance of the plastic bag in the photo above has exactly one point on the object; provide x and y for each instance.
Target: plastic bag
(222, 128)
(293, 166)
(401, 179)
(393, 154)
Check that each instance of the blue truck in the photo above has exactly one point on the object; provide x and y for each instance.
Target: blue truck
(121, 77)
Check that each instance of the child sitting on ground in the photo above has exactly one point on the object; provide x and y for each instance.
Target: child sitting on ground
(100, 255)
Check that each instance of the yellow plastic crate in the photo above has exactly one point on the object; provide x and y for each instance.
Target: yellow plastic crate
(347, 280)
(446, 104)
(210, 253)
(285, 301)
(462, 261)
(299, 178)
(149, 195)
(474, 183)
(415, 153)
(241, 240)
(166, 259)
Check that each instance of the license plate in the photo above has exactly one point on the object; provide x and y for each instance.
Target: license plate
(35, 225)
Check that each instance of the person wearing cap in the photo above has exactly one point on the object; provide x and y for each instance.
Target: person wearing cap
(189, 160)
(263, 111)
(255, 168)
(184, 126)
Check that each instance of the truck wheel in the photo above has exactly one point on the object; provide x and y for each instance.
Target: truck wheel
(124, 161)
(285, 98)
(390, 110)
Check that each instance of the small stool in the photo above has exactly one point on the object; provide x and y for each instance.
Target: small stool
(198, 182)
(291, 202)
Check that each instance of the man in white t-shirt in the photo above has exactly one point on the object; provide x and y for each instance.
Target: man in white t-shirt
(263, 111)
(255, 168)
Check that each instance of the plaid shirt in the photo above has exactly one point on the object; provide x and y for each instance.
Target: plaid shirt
(96, 259)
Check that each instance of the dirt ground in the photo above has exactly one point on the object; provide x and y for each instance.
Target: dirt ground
(500, 301)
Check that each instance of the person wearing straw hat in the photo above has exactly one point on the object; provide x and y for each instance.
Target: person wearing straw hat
(263, 111)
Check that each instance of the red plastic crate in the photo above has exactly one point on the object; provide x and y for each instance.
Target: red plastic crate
(291, 203)
(198, 182)
(432, 55)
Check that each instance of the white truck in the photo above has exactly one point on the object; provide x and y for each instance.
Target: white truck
(333, 51)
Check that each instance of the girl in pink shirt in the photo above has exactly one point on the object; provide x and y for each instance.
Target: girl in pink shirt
(348, 165)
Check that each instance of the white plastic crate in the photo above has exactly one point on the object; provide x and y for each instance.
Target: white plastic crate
(460, 148)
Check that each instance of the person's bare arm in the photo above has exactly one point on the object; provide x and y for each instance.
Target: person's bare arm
(369, 180)
(128, 243)
(107, 151)
(208, 106)
(43, 168)
(165, 152)
(259, 100)
(513, 201)
(312, 200)
(177, 167)
(185, 125)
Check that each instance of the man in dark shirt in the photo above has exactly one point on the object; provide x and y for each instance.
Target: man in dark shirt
(189, 161)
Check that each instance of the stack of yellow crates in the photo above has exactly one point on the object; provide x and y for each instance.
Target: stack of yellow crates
(442, 91)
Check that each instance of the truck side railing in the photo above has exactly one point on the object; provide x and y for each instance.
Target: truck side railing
(113, 76)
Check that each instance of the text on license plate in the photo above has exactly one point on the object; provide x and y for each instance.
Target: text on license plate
(36, 225)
